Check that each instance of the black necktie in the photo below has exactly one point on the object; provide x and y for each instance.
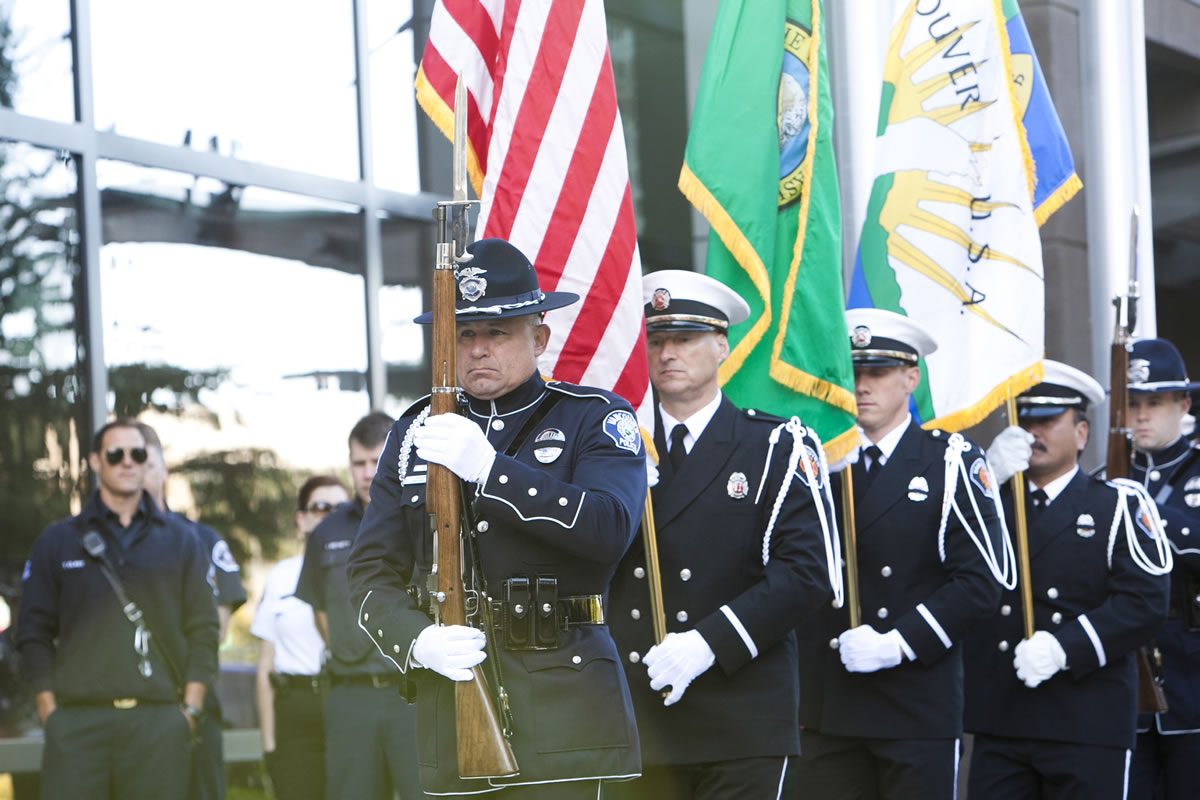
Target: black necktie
(677, 451)
(1038, 500)
(873, 465)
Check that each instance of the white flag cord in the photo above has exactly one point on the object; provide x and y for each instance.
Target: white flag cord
(1005, 573)
(1132, 489)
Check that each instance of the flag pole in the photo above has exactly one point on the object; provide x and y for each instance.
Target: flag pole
(850, 547)
(1018, 490)
(653, 574)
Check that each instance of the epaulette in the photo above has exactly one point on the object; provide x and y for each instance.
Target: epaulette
(762, 416)
(416, 407)
(574, 390)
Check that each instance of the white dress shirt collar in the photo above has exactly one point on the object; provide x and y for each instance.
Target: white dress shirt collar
(887, 444)
(1055, 487)
(695, 424)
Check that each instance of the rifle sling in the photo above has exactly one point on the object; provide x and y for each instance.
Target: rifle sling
(539, 414)
(1165, 492)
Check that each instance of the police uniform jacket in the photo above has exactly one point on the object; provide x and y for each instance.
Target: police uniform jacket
(932, 591)
(323, 585)
(74, 637)
(1096, 601)
(710, 520)
(1172, 477)
(565, 504)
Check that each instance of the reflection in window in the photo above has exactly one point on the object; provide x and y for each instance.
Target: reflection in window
(35, 58)
(271, 81)
(41, 407)
(234, 322)
(393, 98)
(408, 253)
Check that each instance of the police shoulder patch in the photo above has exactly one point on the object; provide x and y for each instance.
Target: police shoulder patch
(981, 476)
(622, 427)
(810, 458)
(223, 558)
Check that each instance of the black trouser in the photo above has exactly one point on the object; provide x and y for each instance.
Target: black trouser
(208, 755)
(738, 779)
(106, 753)
(370, 744)
(297, 767)
(1036, 769)
(856, 768)
(1165, 767)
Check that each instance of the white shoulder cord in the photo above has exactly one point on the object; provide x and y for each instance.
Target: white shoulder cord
(406, 443)
(833, 548)
(1005, 573)
(1127, 489)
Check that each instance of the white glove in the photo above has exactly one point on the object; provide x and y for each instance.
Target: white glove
(1009, 453)
(458, 444)
(847, 460)
(679, 660)
(449, 650)
(651, 471)
(1036, 659)
(864, 649)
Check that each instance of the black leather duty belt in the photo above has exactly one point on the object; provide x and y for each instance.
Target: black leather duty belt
(532, 614)
(374, 681)
(308, 683)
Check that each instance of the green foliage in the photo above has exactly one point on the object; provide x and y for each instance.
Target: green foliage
(162, 387)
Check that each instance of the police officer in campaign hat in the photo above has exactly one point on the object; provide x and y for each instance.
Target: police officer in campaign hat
(728, 723)
(1054, 715)
(1168, 465)
(208, 763)
(118, 636)
(555, 479)
(881, 704)
(370, 730)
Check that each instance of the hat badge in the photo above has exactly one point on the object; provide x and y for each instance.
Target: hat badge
(660, 300)
(737, 486)
(1139, 370)
(471, 284)
(861, 337)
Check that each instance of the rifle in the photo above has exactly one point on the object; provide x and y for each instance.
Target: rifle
(483, 748)
(1151, 699)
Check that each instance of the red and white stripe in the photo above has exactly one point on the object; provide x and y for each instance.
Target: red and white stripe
(548, 162)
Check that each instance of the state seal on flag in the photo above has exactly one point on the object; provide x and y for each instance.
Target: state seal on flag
(792, 112)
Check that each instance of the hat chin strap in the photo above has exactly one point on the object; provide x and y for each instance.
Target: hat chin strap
(502, 307)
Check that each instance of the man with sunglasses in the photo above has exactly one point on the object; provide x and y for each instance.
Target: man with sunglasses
(118, 699)
(208, 765)
(290, 692)
(370, 730)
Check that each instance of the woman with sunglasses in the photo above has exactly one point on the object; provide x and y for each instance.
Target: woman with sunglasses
(290, 700)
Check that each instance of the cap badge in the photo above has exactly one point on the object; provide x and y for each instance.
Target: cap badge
(660, 300)
(470, 283)
(1085, 526)
(861, 337)
(1139, 370)
(737, 486)
(548, 445)
(918, 489)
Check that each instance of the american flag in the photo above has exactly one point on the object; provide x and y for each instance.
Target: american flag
(547, 159)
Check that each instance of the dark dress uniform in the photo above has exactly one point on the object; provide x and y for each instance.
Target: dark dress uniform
(565, 504)
(370, 734)
(894, 732)
(1171, 741)
(1071, 735)
(117, 732)
(711, 518)
(225, 577)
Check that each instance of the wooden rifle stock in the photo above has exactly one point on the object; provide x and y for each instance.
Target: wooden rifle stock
(1151, 699)
(483, 749)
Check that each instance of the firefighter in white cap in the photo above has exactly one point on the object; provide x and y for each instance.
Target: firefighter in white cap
(743, 553)
(1054, 715)
(881, 704)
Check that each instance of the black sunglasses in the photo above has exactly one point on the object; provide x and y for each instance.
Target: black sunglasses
(321, 507)
(115, 455)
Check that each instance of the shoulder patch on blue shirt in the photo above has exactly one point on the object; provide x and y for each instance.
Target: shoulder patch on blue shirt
(622, 427)
(981, 476)
(223, 558)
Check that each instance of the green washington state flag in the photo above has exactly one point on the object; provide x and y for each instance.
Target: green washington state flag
(759, 166)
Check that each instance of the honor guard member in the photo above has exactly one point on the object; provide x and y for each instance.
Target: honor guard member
(743, 553)
(208, 763)
(554, 476)
(881, 704)
(370, 730)
(119, 682)
(1168, 465)
(290, 689)
(1054, 715)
